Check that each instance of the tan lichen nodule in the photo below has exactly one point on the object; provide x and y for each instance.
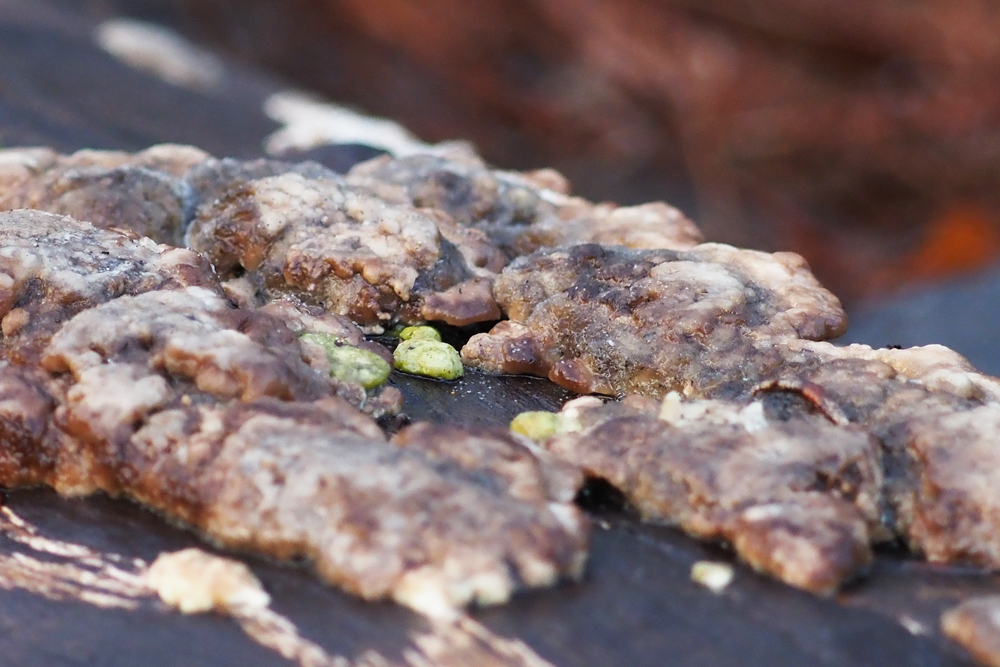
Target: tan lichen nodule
(194, 581)
(349, 363)
(430, 358)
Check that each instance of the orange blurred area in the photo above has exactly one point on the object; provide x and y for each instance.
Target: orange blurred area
(962, 239)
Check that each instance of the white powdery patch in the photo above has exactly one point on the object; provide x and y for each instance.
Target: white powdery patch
(310, 123)
(160, 52)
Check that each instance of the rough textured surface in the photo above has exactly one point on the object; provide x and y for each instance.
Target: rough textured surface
(521, 213)
(840, 448)
(326, 243)
(377, 520)
(317, 480)
(143, 192)
(213, 415)
(937, 421)
(194, 336)
(170, 398)
(612, 320)
(52, 267)
(213, 178)
(796, 496)
(33, 448)
(303, 251)
(638, 573)
(521, 469)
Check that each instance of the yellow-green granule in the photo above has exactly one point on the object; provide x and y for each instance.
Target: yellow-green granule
(351, 364)
(419, 333)
(432, 358)
(537, 425)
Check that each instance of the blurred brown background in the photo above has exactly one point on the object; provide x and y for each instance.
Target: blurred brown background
(864, 134)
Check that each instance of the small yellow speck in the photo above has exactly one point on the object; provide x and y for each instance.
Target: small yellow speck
(536, 425)
(713, 576)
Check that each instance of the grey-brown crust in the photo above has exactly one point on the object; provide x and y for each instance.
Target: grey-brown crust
(31, 444)
(377, 520)
(144, 193)
(520, 213)
(190, 335)
(326, 243)
(517, 466)
(798, 498)
(127, 366)
(212, 178)
(214, 415)
(53, 267)
(854, 446)
(295, 479)
(937, 420)
(611, 320)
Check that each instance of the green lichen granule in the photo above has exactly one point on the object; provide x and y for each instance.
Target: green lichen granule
(419, 333)
(351, 364)
(431, 358)
(537, 425)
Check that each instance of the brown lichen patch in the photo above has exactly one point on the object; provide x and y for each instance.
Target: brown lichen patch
(340, 247)
(53, 267)
(520, 469)
(614, 321)
(840, 448)
(521, 213)
(466, 303)
(797, 498)
(143, 192)
(379, 521)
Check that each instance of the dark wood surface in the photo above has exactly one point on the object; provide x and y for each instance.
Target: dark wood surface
(636, 605)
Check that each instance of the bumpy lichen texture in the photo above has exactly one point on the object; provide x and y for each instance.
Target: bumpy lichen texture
(520, 212)
(154, 193)
(431, 358)
(315, 479)
(323, 242)
(610, 320)
(937, 422)
(143, 192)
(797, 497)
(835, 450)
(151, 350)
(223, 418)
(129, 367)
(53, 267)
(516, 465)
